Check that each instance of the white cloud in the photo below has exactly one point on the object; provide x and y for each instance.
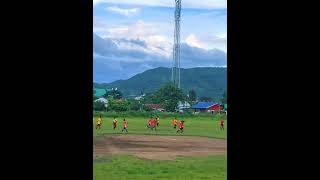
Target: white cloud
(217, 39)
(160, 45)
(208, 42)
(202, 4)
(135, 30)
(150, 33)
(96, 2)
(224, 35)
(123, 11)
(193, 41)
(117, 32)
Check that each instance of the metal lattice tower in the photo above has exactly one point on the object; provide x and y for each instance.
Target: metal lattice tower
(176, 46)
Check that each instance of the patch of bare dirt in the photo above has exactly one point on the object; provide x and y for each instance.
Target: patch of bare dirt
(158, 147)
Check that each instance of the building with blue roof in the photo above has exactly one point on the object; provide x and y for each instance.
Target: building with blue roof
(206, 107)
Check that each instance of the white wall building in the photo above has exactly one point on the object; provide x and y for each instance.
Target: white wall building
(104, 100)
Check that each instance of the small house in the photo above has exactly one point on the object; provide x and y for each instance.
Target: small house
(206, 107)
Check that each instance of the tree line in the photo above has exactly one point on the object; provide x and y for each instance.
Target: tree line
(167, 96)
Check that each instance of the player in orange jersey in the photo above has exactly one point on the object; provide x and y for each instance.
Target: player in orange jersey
(125, 125)
(174, 122)
(114, 123)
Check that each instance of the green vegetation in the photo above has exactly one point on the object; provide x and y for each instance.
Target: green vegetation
(134, 105)
(117, 105)
(206, 81)
(99, 106)
(116, 94)
(147, 114)
(186, 168)
(195, 125)
(168, 96)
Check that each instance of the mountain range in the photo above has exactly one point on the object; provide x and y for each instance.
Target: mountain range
(206, 81)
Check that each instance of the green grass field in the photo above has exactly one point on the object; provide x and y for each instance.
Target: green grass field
(207, 126)
(122, 167)
(186, 168)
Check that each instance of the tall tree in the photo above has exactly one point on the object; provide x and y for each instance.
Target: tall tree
(118, 105)
(134, 105)
(99, 106)
(116, 94)
(169, 96)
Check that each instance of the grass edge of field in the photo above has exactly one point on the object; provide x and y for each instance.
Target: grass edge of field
(182, 163)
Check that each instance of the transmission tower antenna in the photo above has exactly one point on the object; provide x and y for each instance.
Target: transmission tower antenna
(175, 74)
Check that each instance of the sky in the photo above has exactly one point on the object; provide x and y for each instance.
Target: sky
(131, 36)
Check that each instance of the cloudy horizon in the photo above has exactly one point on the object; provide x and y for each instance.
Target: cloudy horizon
(130, 37)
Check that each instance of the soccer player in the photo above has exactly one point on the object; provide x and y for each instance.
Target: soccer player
(174, 122)
(114, 123)
(99, 122)
(125, 125)
(222, 124)
(149, 123)
(158, 120)
(181, 126)
(154, 124)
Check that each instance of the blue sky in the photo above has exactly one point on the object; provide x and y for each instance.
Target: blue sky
(131, 36)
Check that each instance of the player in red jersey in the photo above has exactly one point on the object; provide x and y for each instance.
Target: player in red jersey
(154, 124)
(181, 125)
(222, 124)
(149, 122)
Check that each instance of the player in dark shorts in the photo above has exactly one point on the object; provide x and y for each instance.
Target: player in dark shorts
(181, 125)
(125, 125)
(222, 124)
(158, 120)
